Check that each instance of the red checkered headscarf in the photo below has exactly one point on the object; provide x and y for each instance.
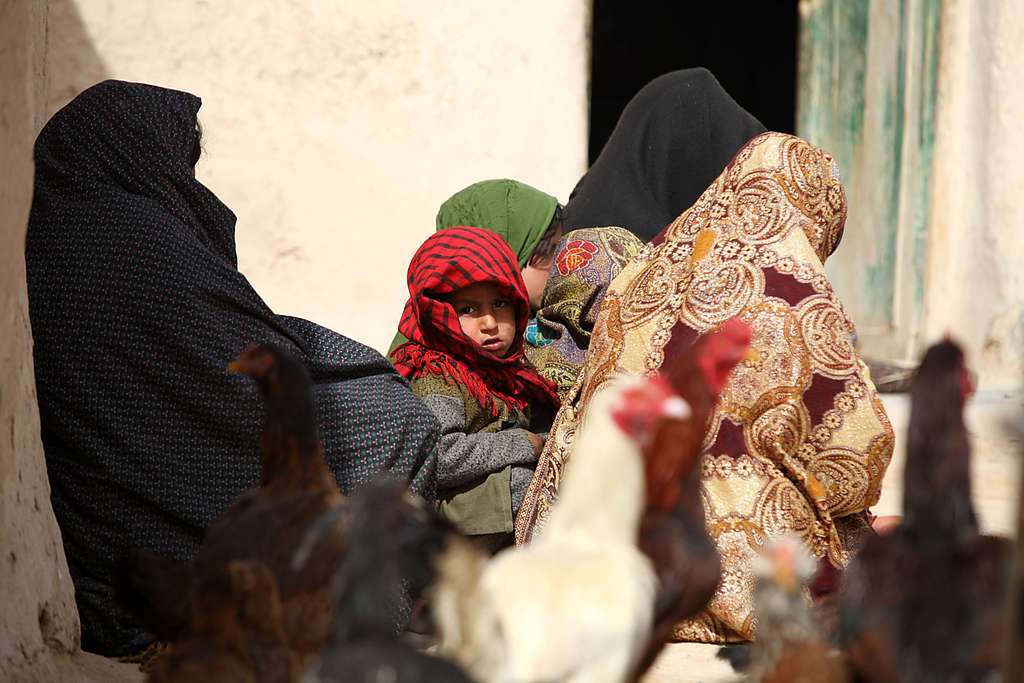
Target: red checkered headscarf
(448, 261)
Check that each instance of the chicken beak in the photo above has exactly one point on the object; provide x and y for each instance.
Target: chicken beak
(786, 579)
(237, 366)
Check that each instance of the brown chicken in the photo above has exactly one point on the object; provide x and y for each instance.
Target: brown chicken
(925, 602)
(265, 524)
(673, 532)
(235, 633)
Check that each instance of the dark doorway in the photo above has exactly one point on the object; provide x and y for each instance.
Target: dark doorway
(750, 46)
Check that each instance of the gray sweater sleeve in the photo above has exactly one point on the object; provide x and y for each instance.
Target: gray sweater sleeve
(462, 457)
(521, 477)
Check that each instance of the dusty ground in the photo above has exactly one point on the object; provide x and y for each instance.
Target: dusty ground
(996, 479)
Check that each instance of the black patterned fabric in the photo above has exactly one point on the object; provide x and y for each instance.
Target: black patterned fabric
(673, 139)
(137, 306)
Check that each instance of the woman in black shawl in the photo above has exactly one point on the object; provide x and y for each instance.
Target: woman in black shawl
(136, 306)
(673, 139)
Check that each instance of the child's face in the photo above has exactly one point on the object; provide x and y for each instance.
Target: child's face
(487, 317)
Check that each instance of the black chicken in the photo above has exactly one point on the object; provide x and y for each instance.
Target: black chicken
(392, 539)
(925, 602)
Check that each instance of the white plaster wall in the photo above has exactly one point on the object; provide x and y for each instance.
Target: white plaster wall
(975, 271)
(335, 128)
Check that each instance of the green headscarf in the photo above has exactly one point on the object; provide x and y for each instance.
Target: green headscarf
(517, 212)
(514, 210)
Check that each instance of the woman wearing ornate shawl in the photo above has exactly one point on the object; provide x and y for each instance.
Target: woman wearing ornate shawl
(137, 305)
(799, 442)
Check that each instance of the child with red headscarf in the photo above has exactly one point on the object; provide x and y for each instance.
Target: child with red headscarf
(465, 320)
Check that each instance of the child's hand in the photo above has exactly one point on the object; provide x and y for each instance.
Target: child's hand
(537, 441)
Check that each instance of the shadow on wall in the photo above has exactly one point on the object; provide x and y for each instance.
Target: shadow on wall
(73, 64)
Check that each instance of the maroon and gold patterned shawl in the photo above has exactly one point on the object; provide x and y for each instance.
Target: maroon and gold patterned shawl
(800, 441)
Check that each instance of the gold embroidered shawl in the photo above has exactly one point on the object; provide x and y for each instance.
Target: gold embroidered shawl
(800, 441)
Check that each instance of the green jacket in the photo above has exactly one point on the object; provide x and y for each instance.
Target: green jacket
(484, 462)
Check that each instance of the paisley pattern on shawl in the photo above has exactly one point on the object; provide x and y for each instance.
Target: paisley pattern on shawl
(582, 267)
(800, 441)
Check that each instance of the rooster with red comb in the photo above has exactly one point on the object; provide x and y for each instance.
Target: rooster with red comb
(673, 533)
(576, 604)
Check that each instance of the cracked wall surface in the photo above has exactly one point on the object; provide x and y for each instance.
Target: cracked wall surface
(39, 627)
(39, 615)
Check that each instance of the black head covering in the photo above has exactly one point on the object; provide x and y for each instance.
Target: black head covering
(136, 307)
(673, 139)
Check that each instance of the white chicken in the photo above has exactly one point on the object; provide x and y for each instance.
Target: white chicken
(791, 645)
(576, 604)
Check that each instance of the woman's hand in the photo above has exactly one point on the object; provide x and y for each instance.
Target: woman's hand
(537, 441)
(886, 524)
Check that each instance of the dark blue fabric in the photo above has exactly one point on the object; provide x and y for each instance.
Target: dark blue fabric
(137, 306)
(673, 139)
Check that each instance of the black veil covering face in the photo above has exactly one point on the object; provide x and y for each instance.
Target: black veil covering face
(136, 307)
(673, 139)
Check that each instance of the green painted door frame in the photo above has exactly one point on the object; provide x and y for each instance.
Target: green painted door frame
(866, 93)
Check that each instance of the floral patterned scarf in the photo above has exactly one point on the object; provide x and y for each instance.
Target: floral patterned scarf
(583, 266)
(799, 442)
(448, 261)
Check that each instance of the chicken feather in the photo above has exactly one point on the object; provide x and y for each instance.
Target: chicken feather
(576, 604)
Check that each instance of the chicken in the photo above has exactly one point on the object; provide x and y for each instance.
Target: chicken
(265, 524)
(234, 634)
(673, 532)
(1014, 644)
(924, 602)
(577, 603)
(393, 540)
(791, 646)
(824, 589)
(155, 590)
